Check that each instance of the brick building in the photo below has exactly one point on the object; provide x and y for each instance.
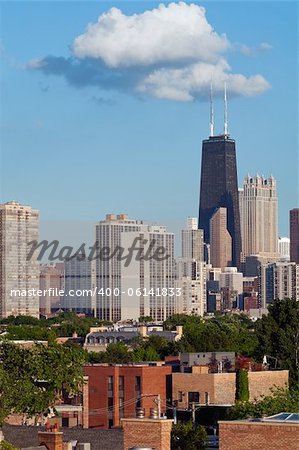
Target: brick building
(205, 388)
(115, 391)
(278, 432)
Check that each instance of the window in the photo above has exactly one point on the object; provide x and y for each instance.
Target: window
(207, 398)
(138, 391)
(121, 382)
(110, 383)
(193, 397)
(180, 396)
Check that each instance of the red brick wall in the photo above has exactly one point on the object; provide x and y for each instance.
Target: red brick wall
(258, 436)
(153, 381)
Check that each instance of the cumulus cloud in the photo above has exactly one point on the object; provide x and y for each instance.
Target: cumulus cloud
(194, 81)
(169, 52)
(173, 33)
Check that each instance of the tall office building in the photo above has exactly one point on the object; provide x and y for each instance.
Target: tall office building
(219, 185)
(294, 235)
(284, 248)
(220, 240)
(192, 241)
(191, 280)
(259, 222)
(130, 289)
(19, 225)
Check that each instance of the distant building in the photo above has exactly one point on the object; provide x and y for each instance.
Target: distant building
(278, 281)
(77, 281)
(19, 225)
(130, 289)
(99, 338)
(191, 280)
(51, 278)
(231, 285)
(220, 240)
(192, 241)
(284, 248)
(294, 235)
(218, 185)
(259, 219)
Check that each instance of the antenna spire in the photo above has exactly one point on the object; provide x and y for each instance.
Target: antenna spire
(225, 112)
(211, 111)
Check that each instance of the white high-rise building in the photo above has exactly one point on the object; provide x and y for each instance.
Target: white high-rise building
(19, 225)
(192, 241)
(279, 280)
(258, 212)
(284, 248)
(130, 287)
(191, 280)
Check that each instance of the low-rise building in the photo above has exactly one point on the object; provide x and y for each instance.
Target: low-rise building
(219, 389)
(115, 391)
(98, 340)
(279, 432)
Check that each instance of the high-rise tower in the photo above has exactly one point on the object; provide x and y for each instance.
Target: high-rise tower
(259, 222)
(219, 184)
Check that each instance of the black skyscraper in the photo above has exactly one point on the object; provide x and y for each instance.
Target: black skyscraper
(219, 185)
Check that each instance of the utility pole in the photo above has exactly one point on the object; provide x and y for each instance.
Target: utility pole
(159, 405)
(193, 413)
(174, 413)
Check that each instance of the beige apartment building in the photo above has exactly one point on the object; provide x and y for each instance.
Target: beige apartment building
(19, 225)
(258, 214)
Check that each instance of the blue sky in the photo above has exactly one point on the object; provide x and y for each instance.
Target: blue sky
(79, 151)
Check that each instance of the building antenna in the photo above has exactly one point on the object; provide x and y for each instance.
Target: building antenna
(225, 112)
(211, 111)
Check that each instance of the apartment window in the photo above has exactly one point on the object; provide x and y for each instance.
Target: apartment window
(121, 382)
(207, 398)
(110, 386)
(138, 391)
(180, 396)
(193, 397)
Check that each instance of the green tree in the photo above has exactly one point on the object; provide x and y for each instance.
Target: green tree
(4, 445)
(242, 391)
(186, 437)
(281, 400)
(117, 353)
(31, 379)
(278, 336)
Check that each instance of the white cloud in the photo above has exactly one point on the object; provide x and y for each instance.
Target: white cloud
(265, 46)
(190, 82)
(173, 33)
(169, 52)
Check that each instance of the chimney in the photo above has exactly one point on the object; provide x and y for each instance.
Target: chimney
(147, 432)
(51, 438)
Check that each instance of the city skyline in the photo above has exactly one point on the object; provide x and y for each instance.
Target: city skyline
(71, 140)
